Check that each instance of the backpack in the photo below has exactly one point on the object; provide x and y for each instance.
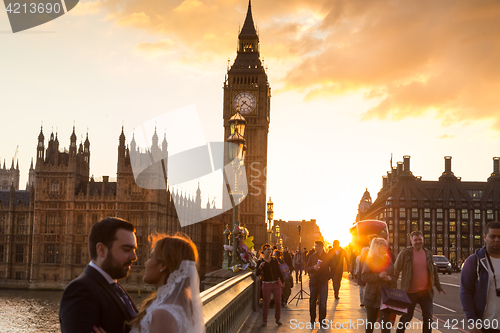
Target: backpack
(285, 270)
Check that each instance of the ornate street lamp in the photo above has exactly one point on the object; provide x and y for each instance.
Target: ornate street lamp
(236, 152)
(237, 123)
(270, 214)
(278, 237)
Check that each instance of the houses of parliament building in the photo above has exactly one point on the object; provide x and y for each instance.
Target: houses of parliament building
(44, 229)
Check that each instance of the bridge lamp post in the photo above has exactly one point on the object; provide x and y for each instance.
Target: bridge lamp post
(279, 242)
(236, 151)
(270, 214)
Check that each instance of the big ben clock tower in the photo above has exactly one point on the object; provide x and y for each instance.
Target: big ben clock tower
(247, 87)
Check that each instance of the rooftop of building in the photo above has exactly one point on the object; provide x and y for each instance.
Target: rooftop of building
(20, 197)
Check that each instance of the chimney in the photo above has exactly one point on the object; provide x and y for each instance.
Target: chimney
(496, 165)
(406, 163)
(447, 165)
(384, 181)
(400, 168)
(105, 179)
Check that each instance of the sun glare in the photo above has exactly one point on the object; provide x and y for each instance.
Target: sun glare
(342, 234)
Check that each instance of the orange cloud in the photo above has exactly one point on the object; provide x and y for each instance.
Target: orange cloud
(413, 57)
(158, 48)
(137, 19)
(86, 8)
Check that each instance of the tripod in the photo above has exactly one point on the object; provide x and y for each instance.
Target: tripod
(301, 292)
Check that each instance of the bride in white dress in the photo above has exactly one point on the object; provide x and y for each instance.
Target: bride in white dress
(176, 307)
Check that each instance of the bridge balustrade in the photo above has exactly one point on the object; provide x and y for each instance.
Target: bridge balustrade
(228, 304)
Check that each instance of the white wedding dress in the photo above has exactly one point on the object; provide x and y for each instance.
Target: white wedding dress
(180, 297)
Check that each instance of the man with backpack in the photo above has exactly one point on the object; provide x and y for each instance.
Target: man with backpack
(480, 284)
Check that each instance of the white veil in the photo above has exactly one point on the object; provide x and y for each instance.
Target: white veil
(183, 290)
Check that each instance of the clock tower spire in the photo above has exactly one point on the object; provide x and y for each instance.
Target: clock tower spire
(249, 40)
(247, 87)
(248, 55)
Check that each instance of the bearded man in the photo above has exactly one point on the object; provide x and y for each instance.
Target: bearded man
(95, 298)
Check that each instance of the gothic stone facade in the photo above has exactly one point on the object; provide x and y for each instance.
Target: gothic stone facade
(44, 231)
(9, 177)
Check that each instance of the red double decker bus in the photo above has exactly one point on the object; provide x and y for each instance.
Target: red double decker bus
(363, 229)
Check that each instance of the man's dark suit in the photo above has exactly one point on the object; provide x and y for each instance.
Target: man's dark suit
(89, 301)
(338, 263)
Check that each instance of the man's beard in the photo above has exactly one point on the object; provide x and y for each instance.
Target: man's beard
(110, 266)
(493, 249)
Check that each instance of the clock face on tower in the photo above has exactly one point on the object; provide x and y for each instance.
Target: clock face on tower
(246, 101)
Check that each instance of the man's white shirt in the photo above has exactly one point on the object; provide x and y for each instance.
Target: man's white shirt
(492, 310)
(103, 273)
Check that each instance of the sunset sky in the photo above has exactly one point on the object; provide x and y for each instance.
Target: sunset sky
(352, 82)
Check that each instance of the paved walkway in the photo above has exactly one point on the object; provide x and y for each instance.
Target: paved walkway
(344, 314)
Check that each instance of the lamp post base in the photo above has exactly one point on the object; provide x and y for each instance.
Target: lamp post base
(225, 263)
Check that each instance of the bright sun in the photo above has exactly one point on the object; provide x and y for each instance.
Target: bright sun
(341, 233)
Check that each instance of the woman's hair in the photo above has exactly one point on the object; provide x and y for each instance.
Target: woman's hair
(377, 243)
(171, 250)
(364, 253)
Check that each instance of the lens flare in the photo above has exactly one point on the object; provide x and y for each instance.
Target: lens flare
(380, 263)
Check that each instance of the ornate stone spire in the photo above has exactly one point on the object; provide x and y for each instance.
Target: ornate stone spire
(248, 30)
(248, 54)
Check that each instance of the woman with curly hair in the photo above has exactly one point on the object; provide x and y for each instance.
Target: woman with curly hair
(269, 268)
